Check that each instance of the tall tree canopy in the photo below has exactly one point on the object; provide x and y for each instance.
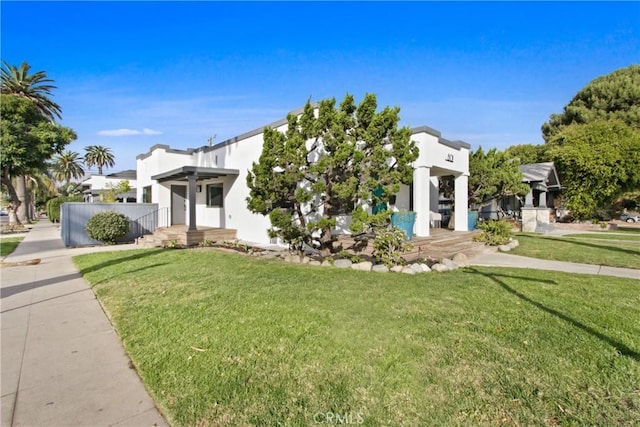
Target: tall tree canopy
(329, 161)
(597, 163)
(592, 142)
(97, 155)
(36, 87)
(28, 140)
(528, 153)
(615, 96)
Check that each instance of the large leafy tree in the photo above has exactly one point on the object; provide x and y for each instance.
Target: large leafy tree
(493, 175)
(615, 96)
(28, 141)
(100, 156)
(36, 87)
(528, 153)
(597, 163)
(587, 169)
(67, 166)
(331, 160)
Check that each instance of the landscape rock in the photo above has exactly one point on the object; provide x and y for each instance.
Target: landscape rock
(362, 266)
(268, 255)
(397, 268)
(514, 244)
(326, 263)
(461, 259)
(380, 268)
(314, 262)
(425, 268)
(416, 267)
(342, 263)
(408, 270)
(504, 248)
(450, 264)
(439, 268)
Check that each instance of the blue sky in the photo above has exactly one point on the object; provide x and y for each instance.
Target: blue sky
(134, 74)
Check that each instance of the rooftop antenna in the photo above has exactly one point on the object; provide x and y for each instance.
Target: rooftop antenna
(211, 138)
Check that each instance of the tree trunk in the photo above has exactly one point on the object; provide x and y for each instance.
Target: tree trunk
(28, 204)
(21, 191)
(32, 205)
(326, 238)
(14, 201)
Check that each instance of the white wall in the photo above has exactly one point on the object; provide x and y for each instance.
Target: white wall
(157, 162)
(434, 154)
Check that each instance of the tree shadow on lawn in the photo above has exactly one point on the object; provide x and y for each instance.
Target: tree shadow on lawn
(127, 272)
(116, 261)
(622, 348)
(577, 242)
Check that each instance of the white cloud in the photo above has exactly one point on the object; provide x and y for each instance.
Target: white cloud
(128, 132)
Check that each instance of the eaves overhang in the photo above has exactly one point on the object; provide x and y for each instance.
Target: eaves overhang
(199, 172)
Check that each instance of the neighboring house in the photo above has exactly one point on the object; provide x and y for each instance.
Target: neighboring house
(207, 186)
(544, 192)
(94, 186)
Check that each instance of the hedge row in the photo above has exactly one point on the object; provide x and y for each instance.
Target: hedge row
(53, 206)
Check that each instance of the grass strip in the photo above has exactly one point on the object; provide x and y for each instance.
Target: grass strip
(8, 245)
(616, 253)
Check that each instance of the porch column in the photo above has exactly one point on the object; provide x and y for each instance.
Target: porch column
(528, 199)
(461, 200)
(421, 200)
(542, 199)
(191, 191)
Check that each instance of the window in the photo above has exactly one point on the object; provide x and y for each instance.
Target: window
(146, 194)
(215, 195)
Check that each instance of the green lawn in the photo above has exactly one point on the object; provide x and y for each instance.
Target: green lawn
(606, 236)
(227, 340)
(9, 244)
(613, 250)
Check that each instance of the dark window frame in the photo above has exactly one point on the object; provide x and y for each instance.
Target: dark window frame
(146, 194)
(219, 187)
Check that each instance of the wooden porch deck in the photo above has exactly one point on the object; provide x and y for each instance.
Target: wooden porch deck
(181, 235)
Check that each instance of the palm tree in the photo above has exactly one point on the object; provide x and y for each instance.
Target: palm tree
(17, 81)
(66, 166)
(99, 156)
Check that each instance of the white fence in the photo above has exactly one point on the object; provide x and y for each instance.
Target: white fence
(144, 218)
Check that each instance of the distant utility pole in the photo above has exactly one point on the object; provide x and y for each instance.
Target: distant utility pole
(211, 138)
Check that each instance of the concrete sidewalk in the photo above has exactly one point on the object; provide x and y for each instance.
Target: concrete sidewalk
(62, 362)
(498, 259)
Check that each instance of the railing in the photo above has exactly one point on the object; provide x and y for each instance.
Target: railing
(148, 223)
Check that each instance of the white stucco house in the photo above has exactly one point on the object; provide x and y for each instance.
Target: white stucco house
(94, 186)
(206, 186)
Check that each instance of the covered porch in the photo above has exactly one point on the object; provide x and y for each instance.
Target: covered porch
(185, 185)
(424, 199)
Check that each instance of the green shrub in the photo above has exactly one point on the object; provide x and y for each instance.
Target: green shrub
(494, 233)
(108, 227)
(53, 206)
(388, 246)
